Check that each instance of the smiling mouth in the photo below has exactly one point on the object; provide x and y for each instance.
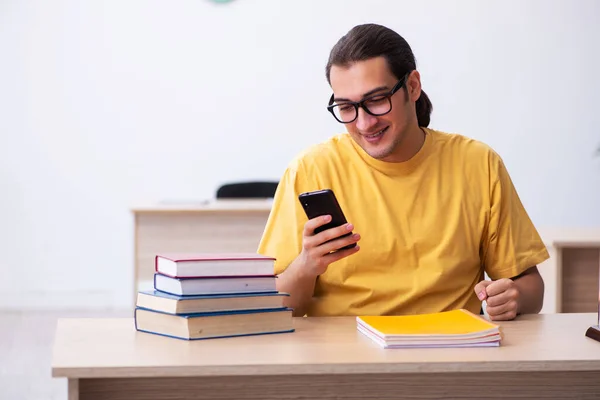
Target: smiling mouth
(376, 134)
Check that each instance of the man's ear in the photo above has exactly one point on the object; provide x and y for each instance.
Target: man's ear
(413, 86)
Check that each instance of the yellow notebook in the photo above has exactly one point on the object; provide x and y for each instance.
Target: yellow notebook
(457, 328)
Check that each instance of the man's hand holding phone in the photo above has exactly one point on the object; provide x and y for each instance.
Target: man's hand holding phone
(327, 237)
(325, 247)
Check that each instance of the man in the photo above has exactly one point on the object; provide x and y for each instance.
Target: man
(431, 211)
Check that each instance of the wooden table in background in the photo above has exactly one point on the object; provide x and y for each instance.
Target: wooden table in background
(216, 226)
(571, 275)
(542, 356)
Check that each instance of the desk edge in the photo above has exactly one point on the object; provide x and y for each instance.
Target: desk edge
(327, 369)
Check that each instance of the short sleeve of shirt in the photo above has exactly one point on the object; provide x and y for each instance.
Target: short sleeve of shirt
(511, 244)
(282, 237)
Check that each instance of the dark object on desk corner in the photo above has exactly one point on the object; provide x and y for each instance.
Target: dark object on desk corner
(247, 190)
(593, 332)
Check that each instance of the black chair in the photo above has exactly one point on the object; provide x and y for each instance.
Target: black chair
(247, 190)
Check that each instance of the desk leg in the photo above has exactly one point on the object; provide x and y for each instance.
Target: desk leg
(73, 389)
(579, 279)
(558, 276)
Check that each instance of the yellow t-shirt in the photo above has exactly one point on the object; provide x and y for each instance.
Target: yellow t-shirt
(429, 227)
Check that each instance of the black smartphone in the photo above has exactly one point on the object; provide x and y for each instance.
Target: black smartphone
(324, 202)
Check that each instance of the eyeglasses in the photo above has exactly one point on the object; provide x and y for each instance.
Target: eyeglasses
(377, 105)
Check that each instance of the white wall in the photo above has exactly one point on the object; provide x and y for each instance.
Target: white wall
(109, 104)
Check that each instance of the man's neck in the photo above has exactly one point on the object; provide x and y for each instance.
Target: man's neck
(411, 144)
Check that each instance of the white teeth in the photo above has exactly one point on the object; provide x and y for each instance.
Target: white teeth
(375, 134)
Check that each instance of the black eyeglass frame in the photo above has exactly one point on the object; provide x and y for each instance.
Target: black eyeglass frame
(361, 104)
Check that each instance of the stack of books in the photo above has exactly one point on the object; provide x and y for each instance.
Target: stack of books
(203, 296)
(457, 328)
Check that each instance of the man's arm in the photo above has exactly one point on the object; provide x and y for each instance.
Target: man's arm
(299, 285)
(531, 291)
(512, 249)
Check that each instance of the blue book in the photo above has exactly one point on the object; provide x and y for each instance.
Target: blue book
(174, 304)
(212, 325)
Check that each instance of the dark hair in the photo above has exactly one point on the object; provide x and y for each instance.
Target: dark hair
(370, 40)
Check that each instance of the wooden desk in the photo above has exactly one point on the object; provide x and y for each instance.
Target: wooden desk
(216, 226)
(543, 356)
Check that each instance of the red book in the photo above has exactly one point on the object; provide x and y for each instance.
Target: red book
(203, 265)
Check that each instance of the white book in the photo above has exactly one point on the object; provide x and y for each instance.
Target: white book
(222, 285)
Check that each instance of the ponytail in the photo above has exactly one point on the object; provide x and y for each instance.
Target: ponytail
(423, 107)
